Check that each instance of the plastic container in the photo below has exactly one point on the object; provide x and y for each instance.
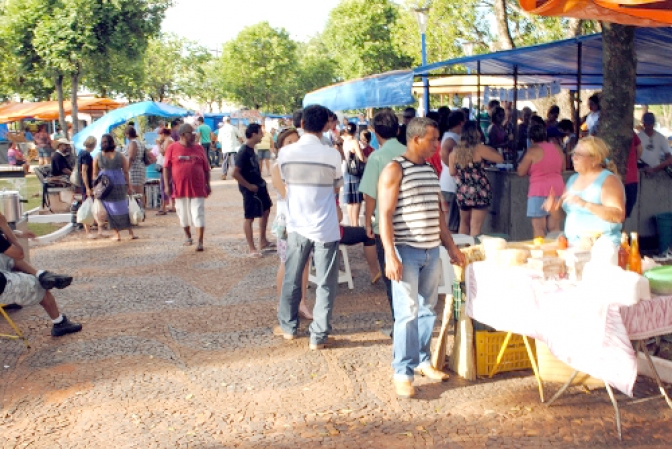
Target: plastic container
(664, 223)
(488, 345)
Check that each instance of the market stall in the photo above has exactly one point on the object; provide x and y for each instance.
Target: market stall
(587, 321)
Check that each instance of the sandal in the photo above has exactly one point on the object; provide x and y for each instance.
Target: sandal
(270, 246)
(199, 247)
(376, 278)
(162, 212)
(188, 242)
(255, 255)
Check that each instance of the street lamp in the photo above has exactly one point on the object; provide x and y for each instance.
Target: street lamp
(422, 15)
(468, 48)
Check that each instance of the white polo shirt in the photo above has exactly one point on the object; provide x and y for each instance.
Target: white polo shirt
(654, 148)
(311, 171)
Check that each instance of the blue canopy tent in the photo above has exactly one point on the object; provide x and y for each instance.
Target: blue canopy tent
(376, 91)
(575, 63)
(119, 116)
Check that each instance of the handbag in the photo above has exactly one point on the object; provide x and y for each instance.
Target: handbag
(355, 167)
(147, 157)
(74, 178)
(102, 187)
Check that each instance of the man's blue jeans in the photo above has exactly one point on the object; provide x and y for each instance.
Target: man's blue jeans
(325, 256)
(414, 298)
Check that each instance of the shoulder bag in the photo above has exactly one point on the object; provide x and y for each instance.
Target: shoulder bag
(102, 187)
(355, 167)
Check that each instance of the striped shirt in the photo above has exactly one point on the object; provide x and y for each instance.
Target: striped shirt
(311, 171)
(416, 218)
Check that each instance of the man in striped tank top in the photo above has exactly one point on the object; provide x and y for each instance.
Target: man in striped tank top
(412, 227)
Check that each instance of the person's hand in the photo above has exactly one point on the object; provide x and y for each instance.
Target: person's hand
(571, 198)
(649, 171)
(254, 188)
(393, 267)
(89, 193)
(166, 190)
(208, 190)
(130, 191)
(369, 231)
(456, 256)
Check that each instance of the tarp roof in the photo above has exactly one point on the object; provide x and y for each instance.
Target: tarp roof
(559, 61)
(119, 116)
(462, 84)
(376, 91)
(644, 13)
(48, 110)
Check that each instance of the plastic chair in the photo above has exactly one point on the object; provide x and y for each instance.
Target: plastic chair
(343, 276)
(19, 334)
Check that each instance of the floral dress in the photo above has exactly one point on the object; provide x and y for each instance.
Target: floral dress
(473, 187)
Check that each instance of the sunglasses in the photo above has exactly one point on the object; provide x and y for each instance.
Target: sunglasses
(575, 154)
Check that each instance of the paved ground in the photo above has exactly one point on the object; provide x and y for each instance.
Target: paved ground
(177, 351)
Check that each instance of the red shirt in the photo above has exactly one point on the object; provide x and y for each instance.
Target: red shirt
(189, 169)
(631, 172)
(435, 160)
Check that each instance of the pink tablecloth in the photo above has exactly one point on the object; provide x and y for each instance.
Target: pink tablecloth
(591, 336)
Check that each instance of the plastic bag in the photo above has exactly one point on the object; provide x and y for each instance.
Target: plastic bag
(279, 228)
(99, 213)
(135, 213)
(85, 213)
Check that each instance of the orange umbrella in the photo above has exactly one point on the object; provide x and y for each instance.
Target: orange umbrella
(644, 13)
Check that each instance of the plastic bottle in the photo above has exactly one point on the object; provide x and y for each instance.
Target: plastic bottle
(624, 252)
(635, 259)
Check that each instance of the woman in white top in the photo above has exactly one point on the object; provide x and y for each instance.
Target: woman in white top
(450, 140)
(287, 137)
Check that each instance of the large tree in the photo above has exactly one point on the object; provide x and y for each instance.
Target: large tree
(359, 37)
(258, 66)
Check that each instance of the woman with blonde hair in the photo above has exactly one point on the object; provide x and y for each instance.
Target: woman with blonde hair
(594, 197)
(467, 164)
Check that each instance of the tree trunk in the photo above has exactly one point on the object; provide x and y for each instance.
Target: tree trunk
(619, 65)
(503, 32)
(61, 109)
(575, 28)
(74, 109)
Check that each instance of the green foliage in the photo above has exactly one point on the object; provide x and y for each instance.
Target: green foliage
(358, 36)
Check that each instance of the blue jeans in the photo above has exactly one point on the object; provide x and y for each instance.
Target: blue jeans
(414, 298)
(325, 256)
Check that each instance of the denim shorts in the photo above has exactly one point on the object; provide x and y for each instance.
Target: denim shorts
(44, 152)
(534, 209)
(264, 154)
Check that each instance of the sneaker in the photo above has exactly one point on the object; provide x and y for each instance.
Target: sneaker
(318, 346)
(49, 280)
(65, 327)
(277, 330)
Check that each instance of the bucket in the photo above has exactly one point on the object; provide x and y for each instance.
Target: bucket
(664, 223)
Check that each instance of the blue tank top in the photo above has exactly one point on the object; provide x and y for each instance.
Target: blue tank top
(580, 222)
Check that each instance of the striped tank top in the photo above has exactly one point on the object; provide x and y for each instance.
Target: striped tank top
(416, 218)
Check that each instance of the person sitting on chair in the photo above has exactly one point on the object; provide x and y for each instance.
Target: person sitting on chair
(22, 285)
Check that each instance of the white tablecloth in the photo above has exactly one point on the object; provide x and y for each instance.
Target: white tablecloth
(589, 335)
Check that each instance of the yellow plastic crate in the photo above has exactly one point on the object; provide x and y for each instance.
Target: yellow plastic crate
(488, 345)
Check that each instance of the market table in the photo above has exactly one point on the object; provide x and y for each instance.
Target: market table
(591, 334)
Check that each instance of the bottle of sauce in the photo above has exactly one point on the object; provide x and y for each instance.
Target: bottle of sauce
(624, 252)
(635, 259)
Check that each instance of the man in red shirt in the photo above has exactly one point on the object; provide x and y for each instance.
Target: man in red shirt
(188, 169)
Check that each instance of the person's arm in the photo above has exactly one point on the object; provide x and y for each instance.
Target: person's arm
(452, 169)
(15, 250)
(525, 164)
(239, 177)
(125, 164)
(456, 256)
(369, 209)
(612, 208)
(640, 150)
(85, 179)
(446, 148)
(358, 151)
(95, 168)
(388, 188)
(206, 174)
(132, 150)
(276, 180)
(489, 154)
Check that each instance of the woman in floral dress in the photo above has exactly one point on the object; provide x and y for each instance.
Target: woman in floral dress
(467, 163)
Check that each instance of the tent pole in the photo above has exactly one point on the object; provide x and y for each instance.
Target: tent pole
(478, 100)
(514, 116)
(577, 116)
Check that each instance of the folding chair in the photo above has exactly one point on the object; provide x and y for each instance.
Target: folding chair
(19, 334)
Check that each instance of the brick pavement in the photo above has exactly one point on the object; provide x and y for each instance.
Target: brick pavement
(177, 351)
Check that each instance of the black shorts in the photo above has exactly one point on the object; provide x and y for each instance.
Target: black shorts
(630, 197)
(352, 235)
(255, 204)
(468, 208)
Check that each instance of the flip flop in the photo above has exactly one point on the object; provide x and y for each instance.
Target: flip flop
(377, 277)
(270, 246)
(255, 255)
(162, 212)
(135, 237)
(188, 242)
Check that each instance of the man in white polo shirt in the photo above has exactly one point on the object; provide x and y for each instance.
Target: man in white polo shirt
(656, 151)
(313, 176)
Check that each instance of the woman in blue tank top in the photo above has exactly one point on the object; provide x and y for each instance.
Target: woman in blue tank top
(594, 197)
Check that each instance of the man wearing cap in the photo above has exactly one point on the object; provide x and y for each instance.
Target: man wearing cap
(59, 161)
(656, 151)
(186, 166)
(230, 139)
